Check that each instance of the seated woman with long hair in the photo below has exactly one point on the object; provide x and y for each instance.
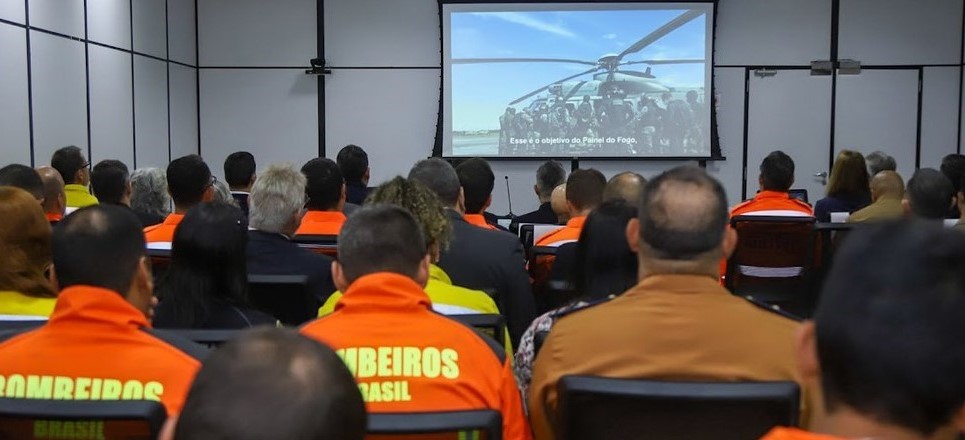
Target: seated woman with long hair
(206, 286)
(848, 189)
(25, 292)
(605, 267)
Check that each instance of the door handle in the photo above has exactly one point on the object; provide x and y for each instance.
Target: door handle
(822, 174)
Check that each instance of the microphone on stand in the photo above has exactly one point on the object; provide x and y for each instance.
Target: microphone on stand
(509, 197)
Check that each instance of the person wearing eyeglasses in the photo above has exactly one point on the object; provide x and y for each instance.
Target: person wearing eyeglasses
(189, 182)
(75, 169)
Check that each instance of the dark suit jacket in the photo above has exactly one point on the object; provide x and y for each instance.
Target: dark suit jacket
(242, 199)
(355, 192)
(543, 215)
(490, 260)
(274, 254)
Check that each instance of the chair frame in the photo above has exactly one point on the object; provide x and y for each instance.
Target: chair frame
(153, 413)
(489, 421)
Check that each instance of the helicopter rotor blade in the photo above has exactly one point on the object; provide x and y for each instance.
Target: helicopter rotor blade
(659, 62)
(520, 60)
(526, 96)
(672, 25)
(573, 91)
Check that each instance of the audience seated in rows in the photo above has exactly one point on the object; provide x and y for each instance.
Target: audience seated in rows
(110, 181)
(887, 191)
(404, 356)
(74, 168)
(677, 323)
(98, 343)
(878, 161)
(55, 200)
(354, 164)
(271, 384)
(149, 193)
(446, 298)
(479, 259)
(239, 173)
(276, 206)
(326, 193)
(25, 178)
(626, 186)
(847, 189)
(929, 195)
(604, 267)
(584, 192)
(477, 181)
(206, 285)
(887, 344)
(773, 199)
(549, 175)
(189, 183)
(25, 293)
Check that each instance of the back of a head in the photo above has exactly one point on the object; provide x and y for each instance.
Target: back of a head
(239, 169)
(108, 181)
(953, 167)
(68, 161)
(888, 183)
(440, 177)
(188, 178)
(477, 180)
(683, 216)
(890, 337)
(549, 175)
(53, 186)
(207, 263)
(878, 162)
(24, 244)
(605, 263)
(849, 176)
(273, 383)
(380, 238)
(626, 186)
(276, 198)
(149, 191)
(353, 161)
(324, 184)
(584, 188)
(929, 193)
(421, 203)
(23, 177)
(777, 172)
(99, 246)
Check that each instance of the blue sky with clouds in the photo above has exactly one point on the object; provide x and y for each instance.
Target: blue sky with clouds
(480, 92)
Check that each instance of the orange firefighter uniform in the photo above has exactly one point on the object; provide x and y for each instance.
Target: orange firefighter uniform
(566, 234)
(321, 223)
(163, 232)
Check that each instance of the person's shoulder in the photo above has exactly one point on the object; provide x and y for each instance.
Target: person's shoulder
(771, 312)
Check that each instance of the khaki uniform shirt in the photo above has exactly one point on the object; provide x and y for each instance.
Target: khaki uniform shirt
(881, 209)
(667, 327)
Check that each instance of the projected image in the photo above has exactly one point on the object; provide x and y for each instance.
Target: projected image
(573, 83)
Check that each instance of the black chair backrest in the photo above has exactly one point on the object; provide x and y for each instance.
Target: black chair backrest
(120, 419)
(208, 338)
(604, 408)
(20, 325)
(160, 262)
(286, 297)
(493, 325)
(800, 194)
(319, 244)
(414, 425)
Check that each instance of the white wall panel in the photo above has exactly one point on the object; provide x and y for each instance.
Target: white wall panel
(257, 32)
(59, 94)
(730, 128)
(408, 33)
(901, 31)
(150, 112)
(14, 108)
(773, 32)
(109, 22)
(939, 114)
(181, 31)
(111, 106)
(392, 114)
(12, 10)
(522, 177)
(273, 113)
(184, 111)
(63, 16)
(150, 36)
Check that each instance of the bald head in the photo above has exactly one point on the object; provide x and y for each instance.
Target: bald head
(558, 202)
(626, 186)
(887, 184)
(55, 201)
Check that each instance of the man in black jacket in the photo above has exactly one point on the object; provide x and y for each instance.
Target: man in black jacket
(549, 175)
(478, 258)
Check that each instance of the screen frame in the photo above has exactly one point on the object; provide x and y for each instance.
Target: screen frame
(715, 151)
